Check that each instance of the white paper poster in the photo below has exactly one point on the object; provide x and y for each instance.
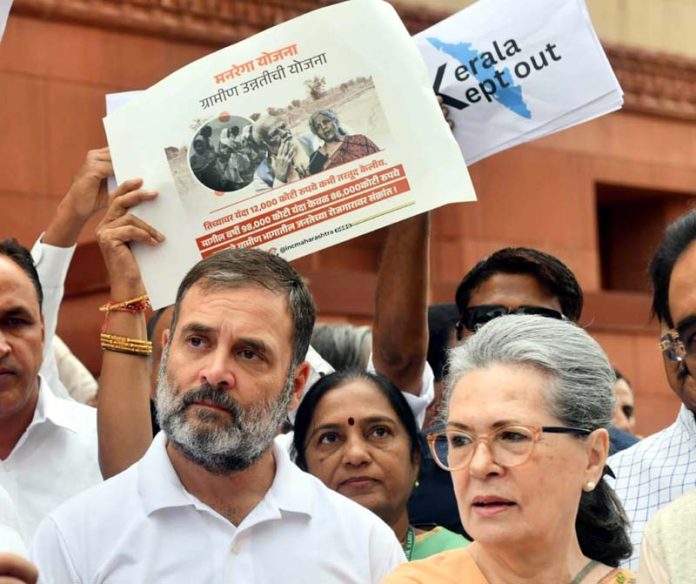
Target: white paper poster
(311, 133)
(513, 71)
(5, 6)
(115, 101)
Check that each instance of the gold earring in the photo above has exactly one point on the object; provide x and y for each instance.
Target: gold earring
(589, 486)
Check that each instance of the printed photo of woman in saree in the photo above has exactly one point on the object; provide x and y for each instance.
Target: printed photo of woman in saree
(338, 146)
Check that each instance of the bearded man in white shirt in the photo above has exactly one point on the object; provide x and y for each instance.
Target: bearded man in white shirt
(213, 499)
(48, 445)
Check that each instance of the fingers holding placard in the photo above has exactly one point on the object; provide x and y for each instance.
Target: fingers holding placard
(119, 229)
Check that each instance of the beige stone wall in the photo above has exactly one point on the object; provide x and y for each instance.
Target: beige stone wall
(657, 25)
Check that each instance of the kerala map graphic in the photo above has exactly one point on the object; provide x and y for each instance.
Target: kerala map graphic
(508, 94)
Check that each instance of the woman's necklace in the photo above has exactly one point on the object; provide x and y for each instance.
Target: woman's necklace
(409, 543)
(580, 576)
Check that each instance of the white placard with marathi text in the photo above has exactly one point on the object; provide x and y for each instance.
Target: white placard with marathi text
(208, 138)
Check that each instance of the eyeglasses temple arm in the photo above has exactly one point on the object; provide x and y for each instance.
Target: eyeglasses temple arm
(565, 430)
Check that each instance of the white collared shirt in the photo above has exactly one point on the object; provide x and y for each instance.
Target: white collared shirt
(143, 526)
(654, 472)
(10, 540)
(667, 553)
(52, 265)
(53, 460)
(419, 403)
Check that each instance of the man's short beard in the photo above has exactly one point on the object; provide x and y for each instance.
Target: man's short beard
(220, 448)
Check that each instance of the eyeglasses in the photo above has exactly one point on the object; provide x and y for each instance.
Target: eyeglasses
(509, 445)
(679, 343)
(476, 316)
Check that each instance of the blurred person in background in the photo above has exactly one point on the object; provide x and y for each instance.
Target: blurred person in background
(624, 414)
(344, 346)
(76, 378)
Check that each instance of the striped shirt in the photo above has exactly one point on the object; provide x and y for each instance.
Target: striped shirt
(654, 472)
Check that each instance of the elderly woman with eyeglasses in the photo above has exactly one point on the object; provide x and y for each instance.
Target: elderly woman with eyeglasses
(338, 147)
(527, 404)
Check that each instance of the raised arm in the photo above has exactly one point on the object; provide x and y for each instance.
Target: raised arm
(86, 196)
(53, 252)
(123, 415)
(400, 331)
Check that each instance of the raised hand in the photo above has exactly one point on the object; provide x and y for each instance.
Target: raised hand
(86, 196)
(283, 162)
(117, 230)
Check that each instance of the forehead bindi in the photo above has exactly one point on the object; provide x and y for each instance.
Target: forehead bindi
(353, 403)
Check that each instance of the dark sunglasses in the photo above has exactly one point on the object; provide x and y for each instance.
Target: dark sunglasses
(476, 316)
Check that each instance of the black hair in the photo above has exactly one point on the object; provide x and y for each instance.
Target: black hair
(20, 255)
(602, 526)
(549, 271)
(153, 320)
(236, 268)
(442, 320)
(305, 413)
(620, 376)
(678, 236)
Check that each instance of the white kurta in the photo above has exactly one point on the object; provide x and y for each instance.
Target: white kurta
(53, 460)
(143, 526)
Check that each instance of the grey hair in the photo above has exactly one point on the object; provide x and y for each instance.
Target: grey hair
(582, 380)
(581, 395)
(344, 346)
(327, 113)
(239, 268)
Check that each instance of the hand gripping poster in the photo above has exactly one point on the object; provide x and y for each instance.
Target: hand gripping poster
(308, 134)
